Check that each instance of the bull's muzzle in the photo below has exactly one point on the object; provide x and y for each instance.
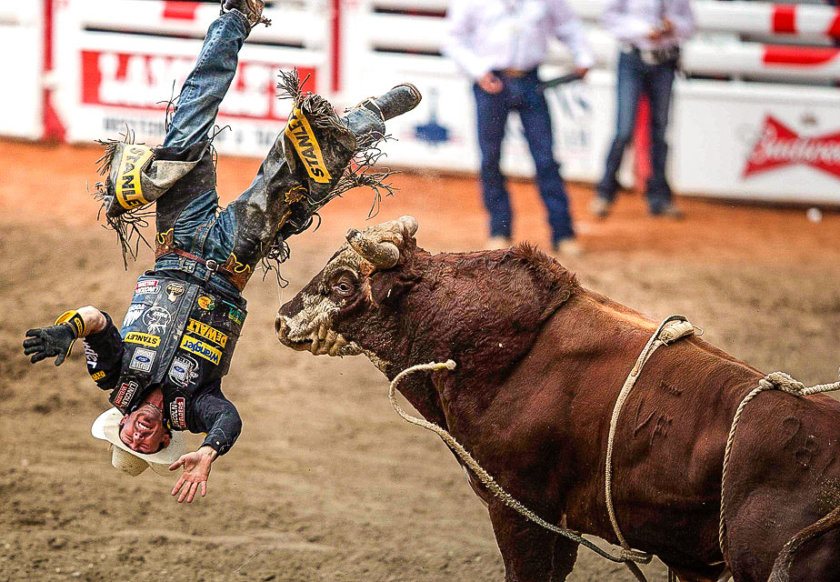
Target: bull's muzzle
(282, 331)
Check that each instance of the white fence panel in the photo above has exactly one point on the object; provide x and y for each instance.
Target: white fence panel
(21, 68)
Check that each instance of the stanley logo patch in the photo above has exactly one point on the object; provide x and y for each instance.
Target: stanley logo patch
(207, 332)
(144, 339)
(128, 191)
(201, 349)
(303, 139)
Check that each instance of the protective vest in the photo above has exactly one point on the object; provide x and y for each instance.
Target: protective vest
(177, 335)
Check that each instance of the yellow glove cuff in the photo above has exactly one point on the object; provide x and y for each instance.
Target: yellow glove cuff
(74, 320)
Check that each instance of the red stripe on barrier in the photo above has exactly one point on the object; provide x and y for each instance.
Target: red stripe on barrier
(784, 19)
(834, 30)
(335, 49)
(180, 10)
(798, 55)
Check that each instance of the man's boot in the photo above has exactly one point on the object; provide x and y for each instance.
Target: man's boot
(252, 9)
(303, 168)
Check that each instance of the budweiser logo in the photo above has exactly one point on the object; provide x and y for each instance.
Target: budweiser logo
(779, 146)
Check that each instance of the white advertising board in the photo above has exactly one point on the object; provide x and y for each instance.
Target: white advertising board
(21, 68)
(112, 80)
(757, 141)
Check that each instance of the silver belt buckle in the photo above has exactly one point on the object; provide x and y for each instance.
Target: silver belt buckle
(211, 265)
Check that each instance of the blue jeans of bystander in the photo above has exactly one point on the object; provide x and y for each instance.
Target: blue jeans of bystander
(524, 95)
(634, 78)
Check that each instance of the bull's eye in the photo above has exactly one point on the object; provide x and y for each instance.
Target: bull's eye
(344, 287)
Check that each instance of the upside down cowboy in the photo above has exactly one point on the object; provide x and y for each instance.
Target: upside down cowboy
(164, 365)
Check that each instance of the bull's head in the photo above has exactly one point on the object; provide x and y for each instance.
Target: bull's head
(327, 315)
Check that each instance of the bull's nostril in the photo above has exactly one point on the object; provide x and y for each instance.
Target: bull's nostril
(280, 325)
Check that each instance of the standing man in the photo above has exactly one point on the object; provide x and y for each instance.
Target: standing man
(650, 33)
(163, 366)
(500, 44)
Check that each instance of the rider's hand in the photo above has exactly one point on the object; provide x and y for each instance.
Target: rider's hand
(196, 471)
(490, 83)
(45, 342)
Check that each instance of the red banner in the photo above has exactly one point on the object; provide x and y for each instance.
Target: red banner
(143, 81)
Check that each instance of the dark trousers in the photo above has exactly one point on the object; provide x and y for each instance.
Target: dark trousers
(634, 78)
(522, 94)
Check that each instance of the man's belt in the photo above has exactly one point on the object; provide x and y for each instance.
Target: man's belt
(231, 269)
(515, 73)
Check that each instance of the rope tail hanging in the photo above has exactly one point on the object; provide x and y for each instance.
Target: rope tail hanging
(629, 557)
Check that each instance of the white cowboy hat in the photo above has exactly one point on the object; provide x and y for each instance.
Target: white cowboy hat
(107, 428)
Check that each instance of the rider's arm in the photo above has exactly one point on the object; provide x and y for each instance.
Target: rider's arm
(103, 349)
(217, 416)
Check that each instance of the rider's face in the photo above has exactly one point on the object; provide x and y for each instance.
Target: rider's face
(143, 430)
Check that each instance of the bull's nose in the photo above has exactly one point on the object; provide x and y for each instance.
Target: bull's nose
(280, 326)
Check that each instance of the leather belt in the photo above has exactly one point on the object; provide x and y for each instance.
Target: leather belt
(515, 73)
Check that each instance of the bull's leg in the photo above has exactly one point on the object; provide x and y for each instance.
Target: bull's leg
(530, 553)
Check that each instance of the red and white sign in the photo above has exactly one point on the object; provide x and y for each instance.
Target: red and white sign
(137, 81)
(780, 146)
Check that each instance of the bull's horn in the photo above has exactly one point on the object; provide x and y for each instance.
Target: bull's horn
(382, 255)
(410, 223)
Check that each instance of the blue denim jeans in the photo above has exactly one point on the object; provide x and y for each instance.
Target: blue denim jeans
(199, 229)
(634, 78)
(523, 95)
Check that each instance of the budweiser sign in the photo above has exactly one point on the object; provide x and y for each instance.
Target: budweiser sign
(779, 146)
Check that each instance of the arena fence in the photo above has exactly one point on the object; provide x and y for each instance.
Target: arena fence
(757, 115)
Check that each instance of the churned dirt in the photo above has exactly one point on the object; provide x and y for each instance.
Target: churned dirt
(326, 482)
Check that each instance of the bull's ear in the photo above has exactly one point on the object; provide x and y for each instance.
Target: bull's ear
(388, 287)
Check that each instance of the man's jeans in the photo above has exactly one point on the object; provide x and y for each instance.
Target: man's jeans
(199, 230)
(634, 78)
(522, 94)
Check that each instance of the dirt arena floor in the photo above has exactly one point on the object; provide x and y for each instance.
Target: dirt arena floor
(326, 482)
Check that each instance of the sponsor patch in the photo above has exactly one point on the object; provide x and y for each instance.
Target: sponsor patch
(175, 290)
(142, 360)
(178, 413)
(98, 375)
(147, 287)
(236, 315)
(91, 357)
(206, 303)
(157, 319)
(127, 189)
(135, 310)
(201, 349)
(144, 339)
(126, 393)
(207, 332)
(183, 371)
(303, 139)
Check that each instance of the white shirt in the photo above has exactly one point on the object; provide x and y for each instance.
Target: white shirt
(631, 21)
(486, 35)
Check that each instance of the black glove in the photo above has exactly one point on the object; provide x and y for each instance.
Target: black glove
(45, 342)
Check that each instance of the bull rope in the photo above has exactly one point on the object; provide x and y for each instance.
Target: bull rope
(773, 381)
(627, 556)
(670, 330)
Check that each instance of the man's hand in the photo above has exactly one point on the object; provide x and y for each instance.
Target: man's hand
(581, 71)
(667, 27)
(490, 83)
(655, 34)
(196, 471)
(45, 342)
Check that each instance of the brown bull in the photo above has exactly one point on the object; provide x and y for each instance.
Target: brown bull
(541, 361)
